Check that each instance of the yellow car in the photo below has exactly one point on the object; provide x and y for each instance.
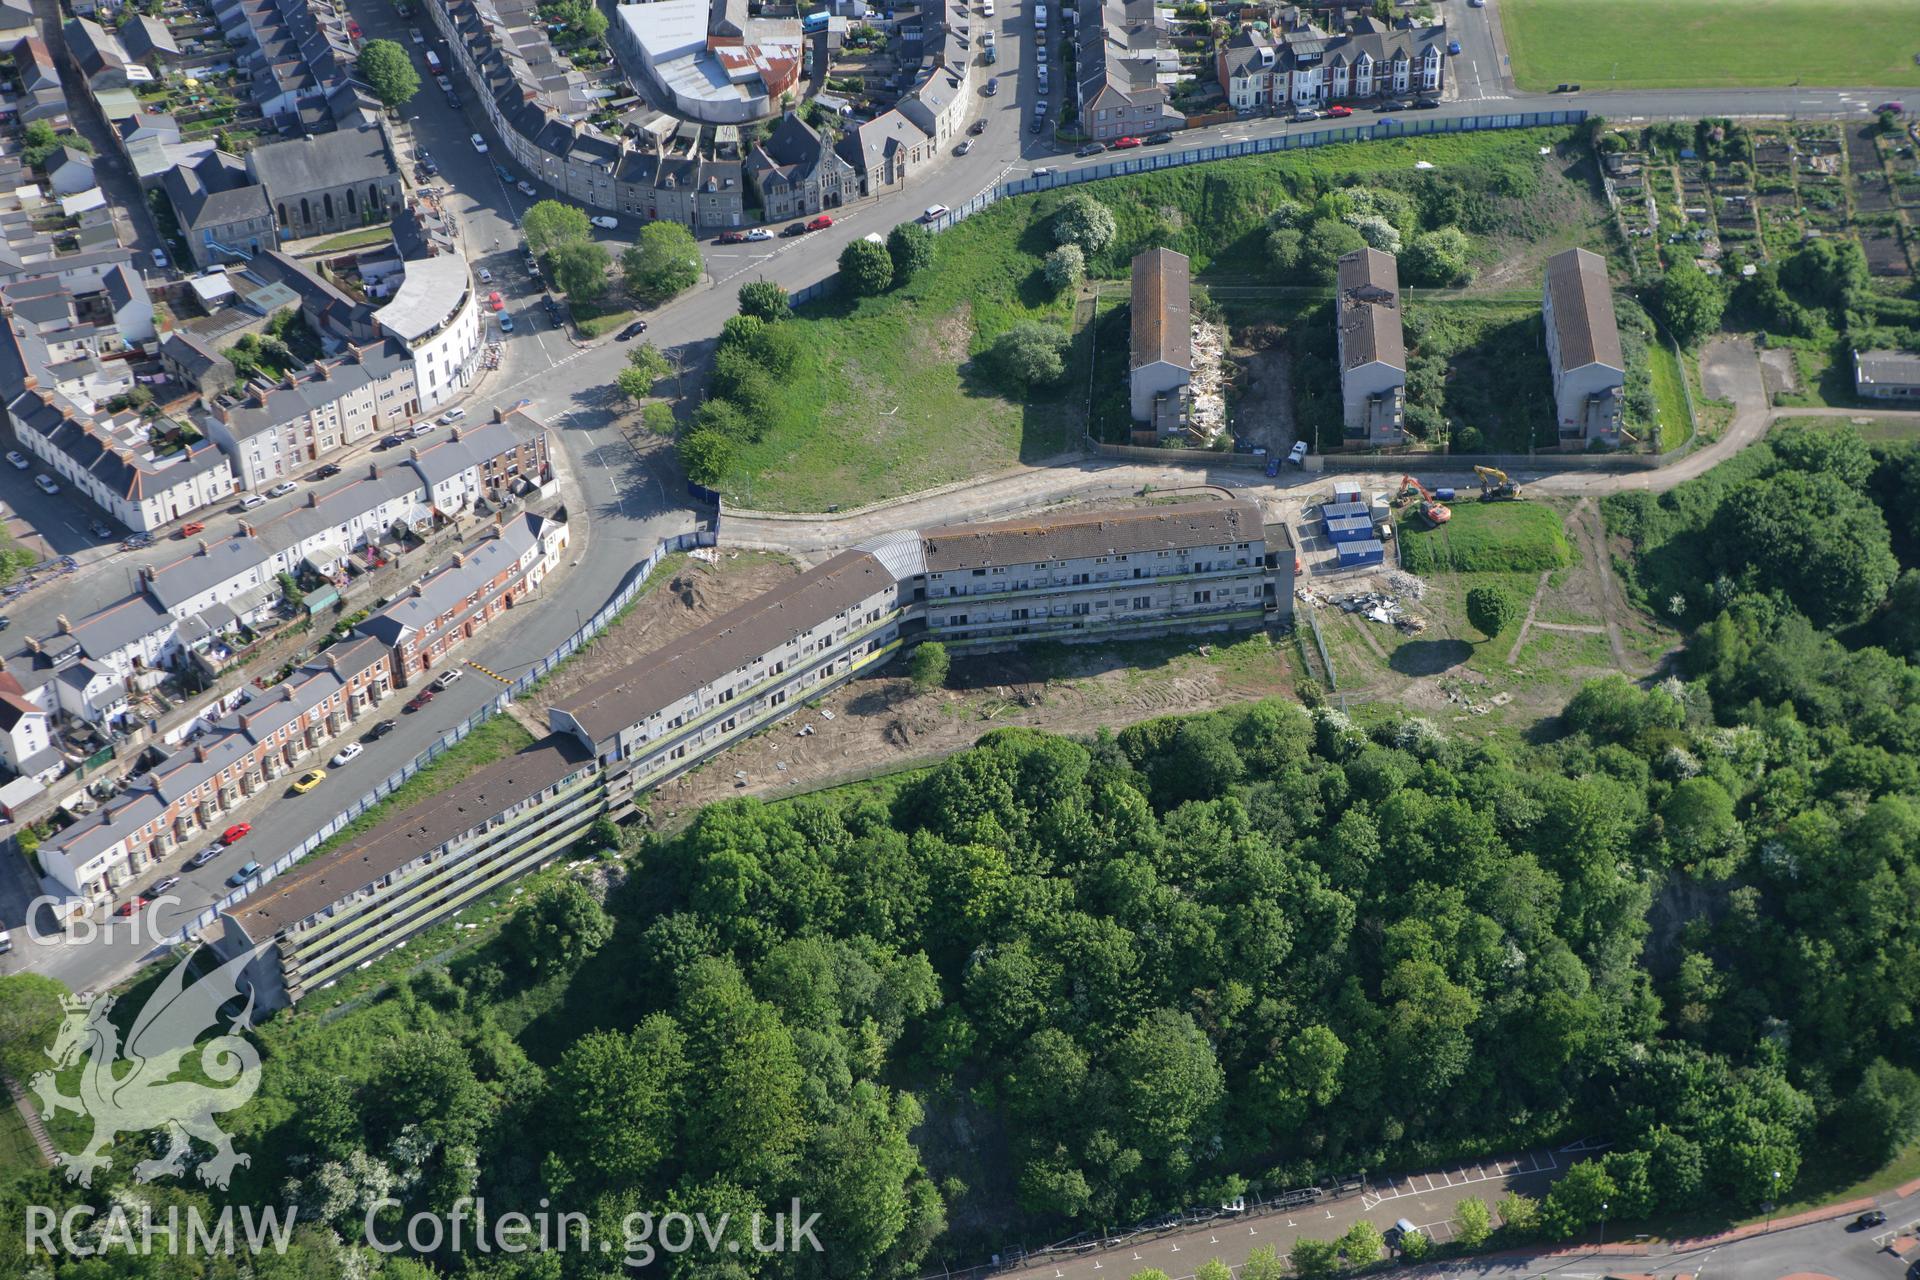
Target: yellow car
(309, 780)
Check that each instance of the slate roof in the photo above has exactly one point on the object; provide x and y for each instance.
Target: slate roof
(214, 191)
(344, 376)
(449, 586)
(1162, 310)
(734, 639)
(1367, 310)
(93, 48)
(144, 37)
(120, 625)
(321, 162)
(1583, 321)
(1094, 533)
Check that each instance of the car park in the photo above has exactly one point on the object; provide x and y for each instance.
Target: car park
(45, 484)
(759, 233)
(1125, 144)
(308, 781)
(604, 222)
(18, 460)
(633, 331)
(1339, 113)
(731, 237)
(346, 754)
(381, 730)
(1091, 149)
(282, 489)
(158, 887)
(236, 833)
(526, 188)
(479, 143)
(243, 875)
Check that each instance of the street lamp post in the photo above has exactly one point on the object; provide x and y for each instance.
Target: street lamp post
(1773, 1199)
(1603, 1224)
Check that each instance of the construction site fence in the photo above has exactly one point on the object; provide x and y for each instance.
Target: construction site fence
(630, 588)
(1148, 160)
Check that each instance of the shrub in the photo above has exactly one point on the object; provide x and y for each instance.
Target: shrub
(866, 267)
(740, 330)
(1436, 258)
(1490, 610)
(911, 246)
(1283, 248)
(1066, 266)
(1376, 231)
(765, 300)
(929, 664)
(1084, 221)
(1030, 355)
(1326, 242)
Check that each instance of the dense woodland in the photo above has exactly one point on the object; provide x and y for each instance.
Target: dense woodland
(1053, 985)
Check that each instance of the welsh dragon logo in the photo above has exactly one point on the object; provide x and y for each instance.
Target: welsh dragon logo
(142, 1085)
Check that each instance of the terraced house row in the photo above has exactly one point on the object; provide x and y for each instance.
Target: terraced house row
(1187, 568)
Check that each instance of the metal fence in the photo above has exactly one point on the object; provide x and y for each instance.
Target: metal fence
(629, 588)
(1147, 161)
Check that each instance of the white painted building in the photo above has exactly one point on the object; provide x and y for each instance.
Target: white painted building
(436, 315)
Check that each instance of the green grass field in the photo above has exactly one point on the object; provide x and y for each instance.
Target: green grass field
(1669, 395)
(1664, 44)
(1873, 430)
(1485, 537)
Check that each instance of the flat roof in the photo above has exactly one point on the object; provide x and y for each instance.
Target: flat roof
(1093, 533)
(731, 641)
(318, 883)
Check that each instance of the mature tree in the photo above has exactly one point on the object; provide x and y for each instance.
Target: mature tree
(615, 1100)
(765, 300)
(928, 665)
(650, 361)
(1581, 1197)
(1438, 258)
(1699, 820)
(1414, 1247)
(1519, 1214)
(664, 261)
(1030, 354)
(1314, 1259)
(1326, 242)
(1264, 1263)
(633, 385)
(911, 246)
(1213, 1269)
(1689, 303)
(550, 224)
(1881, 1115)
(1284, 247)
(750, 1115)
(707, 456)
(1363, 1244)
(425, 1079)
(1167, 1080)
(389, 72)
(867, 267)
(1825, 544)
(30, 1016)
(741, 331)
(1472, 1222)
(1490, 610)
(1065, 267)
(579, 269)
(1839, 452)
(1082, 220)
(559, 929)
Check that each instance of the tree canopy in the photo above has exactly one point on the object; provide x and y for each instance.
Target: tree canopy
(663, 262)
(550, 224)
(388, 70)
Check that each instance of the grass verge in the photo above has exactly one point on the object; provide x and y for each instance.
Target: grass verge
(1706, 44)
(593, 319)
(361, 239)
(1669, 396)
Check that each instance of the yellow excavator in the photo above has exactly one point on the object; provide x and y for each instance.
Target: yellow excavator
(1495, 487)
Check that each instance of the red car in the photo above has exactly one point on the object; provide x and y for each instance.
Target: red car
(127, 908)
(497, 302)
(1337, 112)
(422, 698)
(820, 223)
(236, 833)
(732, 237)
(1121, 144)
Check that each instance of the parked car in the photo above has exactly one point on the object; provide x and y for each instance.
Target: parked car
(236, 833)
(495, 301)
(1391, 104)
(448, 679)
(934, 212)
(821, 223)
(1039, 123)
(1091, 149)
(794, 229)
(1339, 113)
(633, 331)
(966, 145)
(329, 471)
(1303, 115)
(45, 483)
(479, 143)
(253, 500)
(192, 527)
(731, 237)
(1125, 144)
(486, 276)
(1566, 88)
(308, 781)
(413, 34)
(977, 128)
(506, 324)
(527, 188)
(759, 234)
(1273, 464)
(243, 875)
(128, 907)
(203, 857)
(1298, 454)
(18, 460)
(99, 528)
(1453, 46)
(6, 942)
(158, 887)
(990, 88)
(346, 755)
(282, 489)
(1044, 171)
(136, 542)
(422, 698)
(160, 258)
(1426, 104)
(1157, 139)
(1476, 4)
(1871, 1218)
(1895, 108)
(381, 730)
(605, 222)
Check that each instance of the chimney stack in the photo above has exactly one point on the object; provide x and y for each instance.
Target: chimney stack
(33, 645)
(459, 559)
(203, 546)
(246, 528)
(66, 628)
